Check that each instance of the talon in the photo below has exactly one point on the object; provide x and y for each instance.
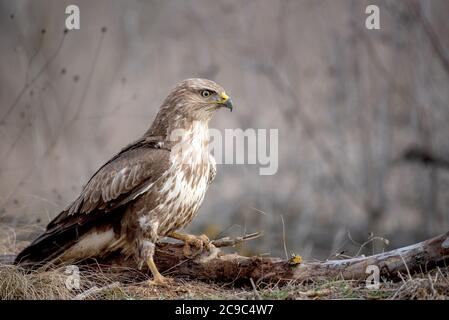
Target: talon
(206, 242)
(195, 242)
(160, 280)
(187, 251)
(199, 242)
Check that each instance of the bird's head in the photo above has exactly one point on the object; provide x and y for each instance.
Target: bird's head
(191, 100)
(197, 99)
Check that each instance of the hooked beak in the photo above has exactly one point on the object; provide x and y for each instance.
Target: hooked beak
(225, 101)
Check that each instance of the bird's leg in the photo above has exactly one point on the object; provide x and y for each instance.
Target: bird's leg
(189, 240)
(147, 252)
(158, 279)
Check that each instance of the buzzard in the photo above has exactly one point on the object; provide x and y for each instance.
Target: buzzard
(151, 189)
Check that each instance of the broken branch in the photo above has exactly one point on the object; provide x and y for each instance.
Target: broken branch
(221, 267)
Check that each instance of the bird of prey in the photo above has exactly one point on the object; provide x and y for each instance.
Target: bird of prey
(151, 189)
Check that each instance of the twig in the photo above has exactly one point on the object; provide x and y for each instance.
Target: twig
(256, 294)
(31, 82)
(406, 266)
(283, 237)
(231, 242)
(431, 34)
(96, 290)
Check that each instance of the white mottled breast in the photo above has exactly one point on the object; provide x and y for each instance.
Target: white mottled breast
(186, 182)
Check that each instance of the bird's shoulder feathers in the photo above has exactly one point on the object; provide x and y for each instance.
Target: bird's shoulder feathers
(123, 178)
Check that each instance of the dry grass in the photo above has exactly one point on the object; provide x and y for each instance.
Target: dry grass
(16, 284)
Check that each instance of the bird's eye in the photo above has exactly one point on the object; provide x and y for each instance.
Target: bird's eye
(205, 93)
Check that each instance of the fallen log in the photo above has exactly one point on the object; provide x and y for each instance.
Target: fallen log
(222, 267)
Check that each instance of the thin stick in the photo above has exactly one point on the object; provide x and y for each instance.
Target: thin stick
(256, 294)
(95, 290)
(283, 237)
(231, 242)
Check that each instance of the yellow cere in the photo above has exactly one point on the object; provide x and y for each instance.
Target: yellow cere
(224, 97)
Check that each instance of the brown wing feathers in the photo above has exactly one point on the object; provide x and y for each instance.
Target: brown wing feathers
(55, 241)
(101, 201)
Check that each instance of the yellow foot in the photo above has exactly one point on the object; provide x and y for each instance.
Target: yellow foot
(199, 242)
(160, 281)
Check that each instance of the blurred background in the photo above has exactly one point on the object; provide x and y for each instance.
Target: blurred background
(362, 114)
